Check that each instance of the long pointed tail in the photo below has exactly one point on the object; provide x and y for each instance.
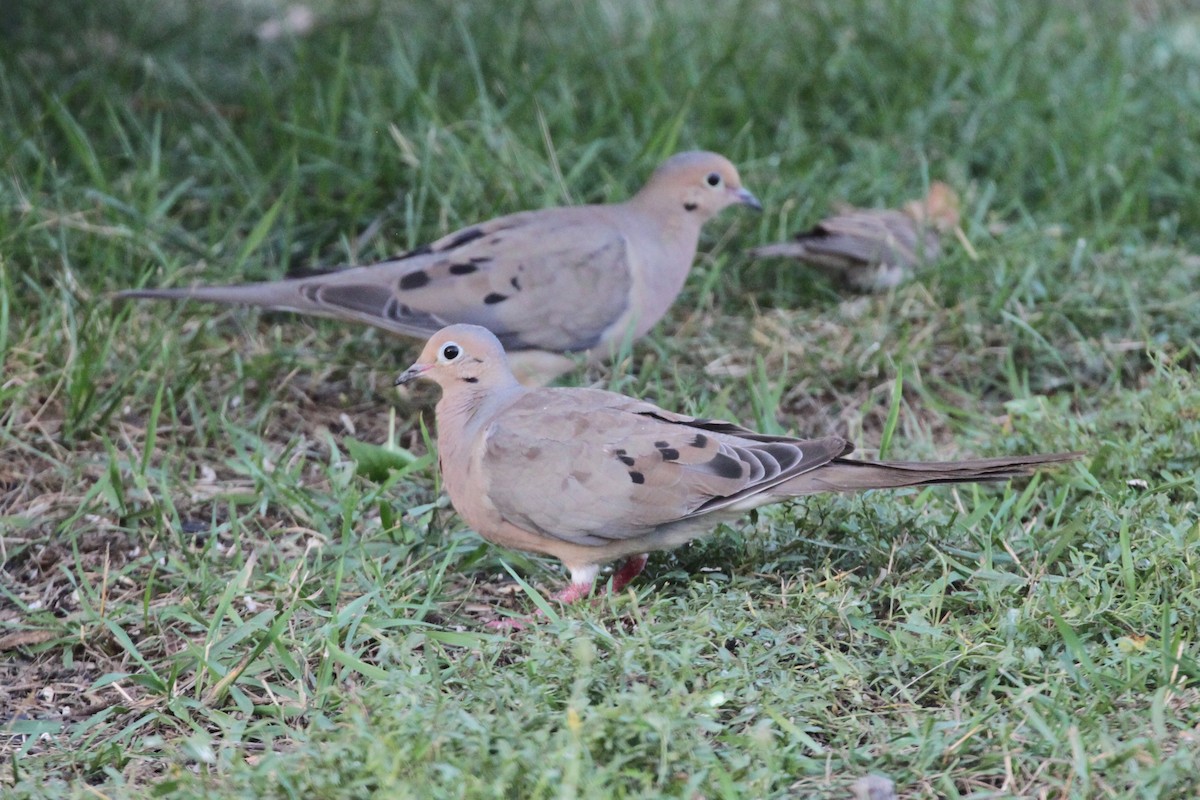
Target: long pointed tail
(359, 294)
(791, 249)
(277, 295)
(849, 475)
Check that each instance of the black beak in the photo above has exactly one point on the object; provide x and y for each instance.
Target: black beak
(746, 198)
(411, 374)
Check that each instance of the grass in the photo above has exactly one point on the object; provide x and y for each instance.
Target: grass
(205, 594)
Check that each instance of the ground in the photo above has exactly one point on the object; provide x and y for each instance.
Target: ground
(227, 567)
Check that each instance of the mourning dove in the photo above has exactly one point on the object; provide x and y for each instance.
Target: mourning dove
(873, 249)
(590, 476)
(558, 280)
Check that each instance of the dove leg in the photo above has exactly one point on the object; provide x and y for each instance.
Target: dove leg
(573, 593)
(632, 567)
(582, 580)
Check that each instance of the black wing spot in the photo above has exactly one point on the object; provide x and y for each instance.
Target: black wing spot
(480, 259)
(462, 269)
(414, 280)
(725, 467)
(661, 443)
(516, 284)
(668, 453)
(469, 235)
(637, 477)
(495, 297)
(470, 380)
(700, 441)
(689, 206)
(628, 461)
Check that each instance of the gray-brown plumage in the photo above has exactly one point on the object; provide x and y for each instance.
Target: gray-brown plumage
(872, 249)
(590, 476)
(547, 282)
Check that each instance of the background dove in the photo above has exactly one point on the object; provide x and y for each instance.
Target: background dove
(590, 476)
(569, 279)
(873, 249)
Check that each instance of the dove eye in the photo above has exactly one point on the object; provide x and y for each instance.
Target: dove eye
(449, 351)
(713, 179)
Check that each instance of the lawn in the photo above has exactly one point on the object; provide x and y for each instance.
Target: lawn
(226, 566)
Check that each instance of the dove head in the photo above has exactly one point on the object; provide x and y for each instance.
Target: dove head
(697, 183)
(460, 357)
(939, 209)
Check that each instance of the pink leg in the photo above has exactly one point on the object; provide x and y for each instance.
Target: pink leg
(575, 591)
(632, 567)
(579, 588)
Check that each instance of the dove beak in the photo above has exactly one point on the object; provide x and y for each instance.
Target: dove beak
(746, 198)
(412, 373)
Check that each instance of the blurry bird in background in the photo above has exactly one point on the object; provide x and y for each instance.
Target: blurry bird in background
(875, 249)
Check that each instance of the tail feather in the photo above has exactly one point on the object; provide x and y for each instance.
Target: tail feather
(791, 249)
(352, 294)
(278, 295)
(850, 475)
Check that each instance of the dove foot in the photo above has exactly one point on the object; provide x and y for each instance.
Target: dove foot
(509, 623)
(573, 593)
(632, 567)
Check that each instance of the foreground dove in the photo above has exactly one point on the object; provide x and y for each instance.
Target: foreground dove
(872, 249)
(558, 280)
(590, 476)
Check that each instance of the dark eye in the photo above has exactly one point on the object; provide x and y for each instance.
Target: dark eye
(450, 351)
(713, 179)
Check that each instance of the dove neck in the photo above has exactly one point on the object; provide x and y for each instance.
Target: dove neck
(671, 218)
(670, 235)
(470, 407)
